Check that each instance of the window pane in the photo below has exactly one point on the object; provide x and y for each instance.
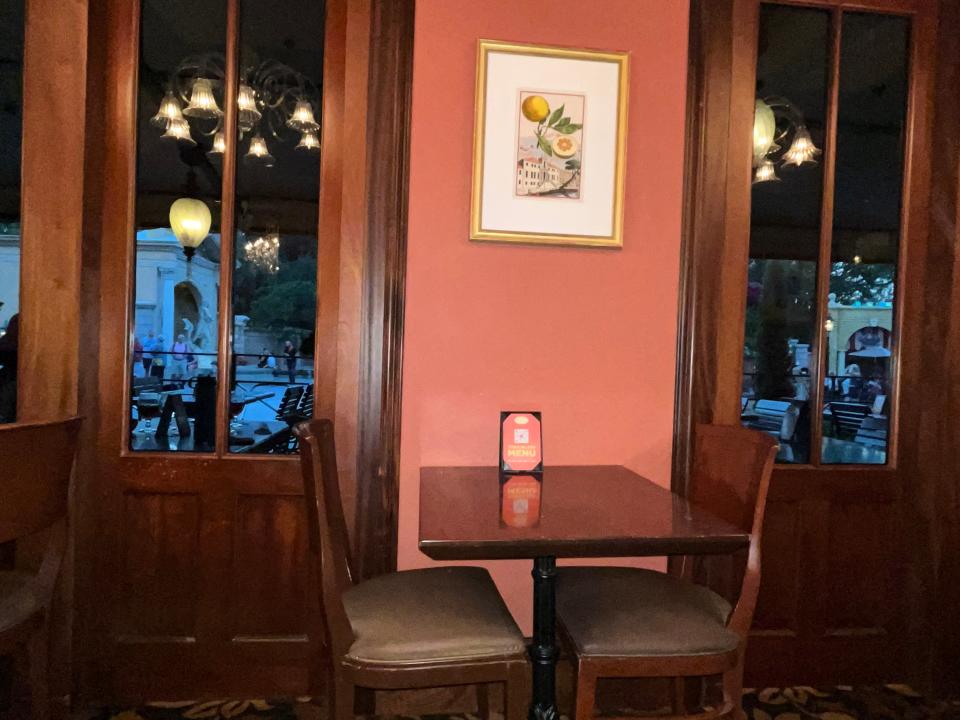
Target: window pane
(785, 225)
(866, 230)
(174, 359)
(278, 186)
(11, 122)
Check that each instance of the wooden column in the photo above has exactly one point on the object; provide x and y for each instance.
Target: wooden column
(54, 114)
(933, 501)
(388, 132)
(54, 91)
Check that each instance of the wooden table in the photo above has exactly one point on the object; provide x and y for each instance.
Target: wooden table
(585, 511)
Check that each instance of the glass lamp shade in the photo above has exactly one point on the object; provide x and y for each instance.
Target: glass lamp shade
(202, 102)
(764, 129)
(259, 152)
(168, 112)
(190, 221)
(309, 142)
(802, 150)
(219, 144)
(247, 114)
(179, 129)
(765, 172)
(302, 119)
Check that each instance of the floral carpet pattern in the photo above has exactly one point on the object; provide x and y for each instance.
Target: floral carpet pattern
(888, 702)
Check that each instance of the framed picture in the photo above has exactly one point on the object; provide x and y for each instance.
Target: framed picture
(548, 145)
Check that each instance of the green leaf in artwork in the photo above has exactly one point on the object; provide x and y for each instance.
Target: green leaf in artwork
(544, 145)
(573, 165)
(569, 128)
(556, 115)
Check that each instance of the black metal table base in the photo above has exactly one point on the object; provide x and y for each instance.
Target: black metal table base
(543, 651)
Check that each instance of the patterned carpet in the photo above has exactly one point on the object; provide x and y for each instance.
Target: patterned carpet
(889, 702)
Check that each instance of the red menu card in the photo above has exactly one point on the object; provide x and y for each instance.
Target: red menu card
(521, 442)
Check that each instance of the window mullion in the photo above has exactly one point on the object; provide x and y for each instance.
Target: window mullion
(821, 362)
(227, 222)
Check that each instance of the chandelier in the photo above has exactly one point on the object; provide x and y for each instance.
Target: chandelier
(275, 103)
(264, 251)
(776, 120)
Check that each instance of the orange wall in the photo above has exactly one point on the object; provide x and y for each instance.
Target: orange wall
(591, 333)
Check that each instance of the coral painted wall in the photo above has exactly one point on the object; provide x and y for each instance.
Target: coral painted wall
(594, 337)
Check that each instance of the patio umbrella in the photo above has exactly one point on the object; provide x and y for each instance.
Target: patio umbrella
(874, 351)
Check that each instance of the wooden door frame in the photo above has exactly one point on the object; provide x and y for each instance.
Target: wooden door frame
(716, 225)
(363, 205)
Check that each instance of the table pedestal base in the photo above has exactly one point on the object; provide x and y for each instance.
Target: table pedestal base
(543, 651)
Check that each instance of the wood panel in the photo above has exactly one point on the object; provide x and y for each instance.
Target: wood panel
(270, 553)
(159, 582)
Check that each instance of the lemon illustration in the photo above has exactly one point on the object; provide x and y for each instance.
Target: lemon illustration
(564, 146)
(535, 108)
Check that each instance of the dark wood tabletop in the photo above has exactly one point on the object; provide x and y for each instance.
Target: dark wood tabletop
(585, 511)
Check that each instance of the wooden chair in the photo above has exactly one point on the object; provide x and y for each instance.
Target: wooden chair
(38, 461)
(630, 622)
(412, 629)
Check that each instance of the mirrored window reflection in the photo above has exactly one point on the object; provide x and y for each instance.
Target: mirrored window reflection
(11, 123)
(866, 229)
(179, 111)
(790, 109)
(277, 201)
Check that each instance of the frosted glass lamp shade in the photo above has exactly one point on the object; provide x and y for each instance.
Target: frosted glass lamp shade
(247, 114)
(764, 129)
(169, 111)
(179, 129)
(302, 119)
(259, 152)
(219, 144)
(190, 221)
(202, 102)
(309, 142)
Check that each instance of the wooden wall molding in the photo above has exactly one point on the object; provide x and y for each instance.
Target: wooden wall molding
(378, 461)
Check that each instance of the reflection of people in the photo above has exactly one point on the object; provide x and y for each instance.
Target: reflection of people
(290, 353)
(8, 370)
(801, 387)
(264, 358)
(179, 357)
(852, 383)
(157, 367)
(150, 346)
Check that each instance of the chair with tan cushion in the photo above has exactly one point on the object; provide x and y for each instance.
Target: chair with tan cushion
(412, 629)
(631, 622)
(37, 459)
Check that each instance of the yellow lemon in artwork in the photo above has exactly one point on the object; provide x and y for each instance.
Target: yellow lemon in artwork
(535, 108)
(564, 146)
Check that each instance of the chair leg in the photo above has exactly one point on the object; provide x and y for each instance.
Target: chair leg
(38, 649)
(366, 701)
(733, 691)
(483, 700)
(342, 699)
(585, 694)
(679, 697)
(517, 691)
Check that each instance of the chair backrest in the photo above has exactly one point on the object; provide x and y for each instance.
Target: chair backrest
(848, 416)
(730, 477)
(288, 404)
(37, 460)
(327, 528)
(305, 406)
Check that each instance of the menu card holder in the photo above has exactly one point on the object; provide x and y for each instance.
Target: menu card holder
(521, 442)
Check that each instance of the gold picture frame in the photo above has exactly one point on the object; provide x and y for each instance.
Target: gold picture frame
(570, 109)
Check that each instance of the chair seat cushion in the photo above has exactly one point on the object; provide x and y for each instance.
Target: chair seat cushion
(631, 612)
(19, 601)
(436, 614)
